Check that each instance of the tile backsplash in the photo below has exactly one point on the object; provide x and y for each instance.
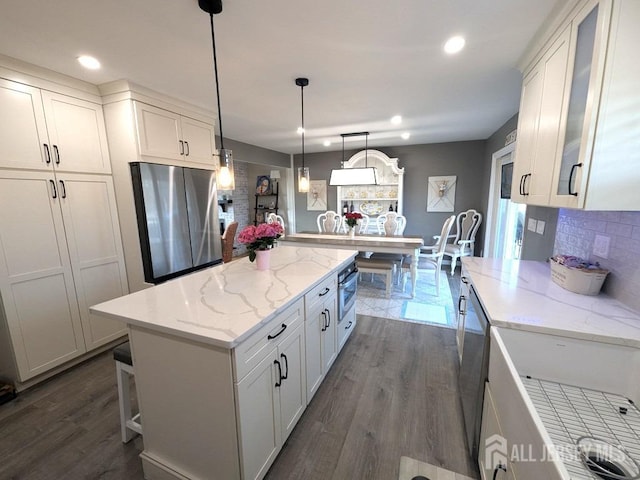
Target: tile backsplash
(576, 235)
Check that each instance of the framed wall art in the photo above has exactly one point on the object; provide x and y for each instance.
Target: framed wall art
(441, 194)
(317, 195)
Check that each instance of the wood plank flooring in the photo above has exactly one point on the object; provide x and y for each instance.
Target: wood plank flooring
(392, 392)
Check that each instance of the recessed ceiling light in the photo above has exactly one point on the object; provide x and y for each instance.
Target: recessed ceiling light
(327, 143)
(396, 119)
(405, 135)
(89, 62)
(300, 130)
(454, 45)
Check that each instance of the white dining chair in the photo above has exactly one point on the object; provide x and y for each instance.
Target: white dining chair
(391, 223)
(431, 256)
(275, 218)
(463, 245)
(329, 221)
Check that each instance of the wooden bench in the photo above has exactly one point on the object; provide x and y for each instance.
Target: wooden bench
(382, 267)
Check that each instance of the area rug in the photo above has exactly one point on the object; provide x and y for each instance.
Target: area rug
(410, 469)
(426, 307)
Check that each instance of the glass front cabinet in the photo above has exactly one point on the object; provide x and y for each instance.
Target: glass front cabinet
(373, 200)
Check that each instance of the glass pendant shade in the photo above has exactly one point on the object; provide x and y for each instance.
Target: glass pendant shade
(303, 179)
(226, 177)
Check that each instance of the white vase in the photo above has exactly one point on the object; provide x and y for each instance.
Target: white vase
(352, 232)
(262, 259)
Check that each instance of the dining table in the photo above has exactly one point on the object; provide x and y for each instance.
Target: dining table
(399, 244)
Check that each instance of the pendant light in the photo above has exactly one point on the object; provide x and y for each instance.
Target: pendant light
(226, 179)
(354, 176)
(303, 172)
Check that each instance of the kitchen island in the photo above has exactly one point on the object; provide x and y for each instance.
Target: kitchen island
(563, 373)
(221, 358)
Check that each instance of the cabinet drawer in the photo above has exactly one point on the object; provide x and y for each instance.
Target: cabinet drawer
(250, 352)
(320, 292)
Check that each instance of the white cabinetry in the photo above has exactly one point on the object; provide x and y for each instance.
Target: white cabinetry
(320, 333)
(578, 133)
(61, 253)
(346, 326)
(493, 458)
(165, 134)
(44, 130)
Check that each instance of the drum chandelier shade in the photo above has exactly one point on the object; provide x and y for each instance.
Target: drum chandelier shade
(354, 176)
(225, 177)
(303, 172)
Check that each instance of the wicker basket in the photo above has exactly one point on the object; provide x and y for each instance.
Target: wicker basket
(578, 280)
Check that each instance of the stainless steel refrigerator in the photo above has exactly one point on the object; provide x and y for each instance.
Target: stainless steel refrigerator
(177, 212)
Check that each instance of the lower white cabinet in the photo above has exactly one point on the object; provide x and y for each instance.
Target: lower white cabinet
(346, 326)
(461, 313)
(61, 253)
(271, 399)
(493, 456)
(320, 335)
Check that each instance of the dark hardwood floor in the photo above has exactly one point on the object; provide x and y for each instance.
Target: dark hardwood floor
(392, 392)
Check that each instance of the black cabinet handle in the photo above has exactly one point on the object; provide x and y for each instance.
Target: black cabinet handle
(54, 193)
(282, 329)
(498, 468)
(57, 152)
(326, 290)
(349, 325)
(521, 191)
(279, 381)
(573, 169)
(186, 144)
(324, 324)
(286, 366)
(460, 298)
(328, 316)
(464, 280)
(181, 143)
(46, 150)
(524, 185)
(63, 190)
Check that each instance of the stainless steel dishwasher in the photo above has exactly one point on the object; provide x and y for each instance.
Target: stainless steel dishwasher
(474, 369)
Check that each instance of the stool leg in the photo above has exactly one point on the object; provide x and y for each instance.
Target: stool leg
(124, 397)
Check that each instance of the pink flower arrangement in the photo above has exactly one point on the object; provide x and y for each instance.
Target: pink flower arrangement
(261, 237)
(352, 218)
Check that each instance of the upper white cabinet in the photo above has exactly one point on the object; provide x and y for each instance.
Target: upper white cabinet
(40, 129)
(579, 125)
(165, 134)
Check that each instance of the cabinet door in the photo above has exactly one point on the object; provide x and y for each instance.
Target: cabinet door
(582, 95)
(293, 390)
(77, 134)
(23, 132)
(93, 235)
(199, 141)
(259, 418)
(527, 133)
(313, 327)
(330, 334)
(158, 132)
(345, 327)
(36, 281)
(554, 70)
(493, 457)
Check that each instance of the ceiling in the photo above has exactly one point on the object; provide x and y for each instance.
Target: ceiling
(366, 61)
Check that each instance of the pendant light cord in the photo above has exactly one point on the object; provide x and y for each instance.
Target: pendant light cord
(215, 72)
(302, 102)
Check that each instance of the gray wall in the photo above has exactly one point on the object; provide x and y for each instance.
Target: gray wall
(463, 159)
(534, 245)
(252, 154)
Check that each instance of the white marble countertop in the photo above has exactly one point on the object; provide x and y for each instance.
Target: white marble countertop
(521, 294)
(223, 305)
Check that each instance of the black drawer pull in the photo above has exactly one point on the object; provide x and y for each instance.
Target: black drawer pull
(349, 325)
(186, 144)
(279, 381)
(286, 366)
(54, 193)
(573, 169)
(181, 147)
(46, 150)
(326, 290)
(460, 298)
(328, 317)
(57, 152)
(282, 329)
(324, 324)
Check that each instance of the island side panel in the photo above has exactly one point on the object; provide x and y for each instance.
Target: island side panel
(185, 390)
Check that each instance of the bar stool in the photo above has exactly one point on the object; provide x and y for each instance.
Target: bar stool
(129, 423)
